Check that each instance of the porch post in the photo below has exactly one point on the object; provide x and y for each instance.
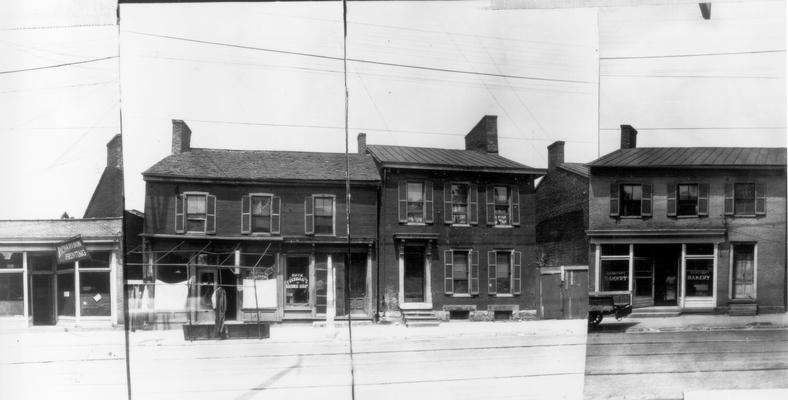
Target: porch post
(25, 291)
(631, 269)
(239, 287)
(368, 301)
(427, 273)
(401, 267)
(113, 286)
(682, 278)
(597, 266)
(77, 296)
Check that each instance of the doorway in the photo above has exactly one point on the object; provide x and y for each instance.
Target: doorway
(414, 275)
(357, 290)
(297, 283)
(43, 313)
(656, 270)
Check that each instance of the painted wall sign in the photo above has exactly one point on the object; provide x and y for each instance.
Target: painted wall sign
(71, 250)
(616, 276)
(297, 281)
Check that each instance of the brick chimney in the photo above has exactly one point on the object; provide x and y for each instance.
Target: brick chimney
(115, 152)
(629, 137)
(181, 137)
(362, 143)
(484, 136)
(555, 155)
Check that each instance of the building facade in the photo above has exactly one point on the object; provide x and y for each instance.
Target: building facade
(694, 229)
(270, 227)
(456, 235)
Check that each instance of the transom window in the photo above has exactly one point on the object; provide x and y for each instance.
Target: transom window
(459, 203)
(196, 212)
(501, 197)
(687, 200)
(631, 196)
(261, 213)
(744, 199)
(415, 202)
(324, 215)
(461, 272)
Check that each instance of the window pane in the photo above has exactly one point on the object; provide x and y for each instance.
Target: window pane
(195, 204)
(700, 278)
(197, 225)
(40, 262)
(98, 259)
(65, 294)
(501, 195)
(744, 198)
(261, 224)
(324, 225)
(744, 271)
(615, 250)
(459, 207)
(703, 249)
(687, 200)
(10, 260)
(503, 272)
(615, 275)
(11, 294)
(415, 191)
(297, 281)
(261, 205)
(94, 294)
(460, 271)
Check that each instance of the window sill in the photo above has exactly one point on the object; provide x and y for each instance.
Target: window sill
(460, 295)
(504, 295)
(746, 215)
(687, 216)
(261, 234)
(460, 225)
(415, 223)
(631, 217)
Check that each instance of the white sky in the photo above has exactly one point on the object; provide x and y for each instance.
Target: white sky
(227, 95)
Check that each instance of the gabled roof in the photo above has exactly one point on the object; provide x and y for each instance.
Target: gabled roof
(694, 157)
(107, 200)
(264, 165)
(432, 158)
(43, 230)
(576, 168)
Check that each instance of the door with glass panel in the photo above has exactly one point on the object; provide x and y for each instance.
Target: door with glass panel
(743, 272)
(644, 282)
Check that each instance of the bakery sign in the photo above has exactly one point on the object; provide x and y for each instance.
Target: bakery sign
(71, 250)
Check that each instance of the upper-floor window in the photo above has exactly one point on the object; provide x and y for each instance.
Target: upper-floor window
(630, 200)
(319, 214)
(460, 204)
(503, 272)
(415, 202)
(688, 199)
(745, 199)
(195, 212)
(260, 213)
(503, 205)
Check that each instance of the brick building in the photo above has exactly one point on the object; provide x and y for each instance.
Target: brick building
(267, 226)
(690, 229)
(456, 233)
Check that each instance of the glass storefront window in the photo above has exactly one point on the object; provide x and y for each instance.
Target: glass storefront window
(10, 260)
(615, 249)
(40, 262)
(98, 259)
(615, 275)
(11, 294)
(700, 249)
(700, 278)
(297, 281)
(94, 294)
(65, 294)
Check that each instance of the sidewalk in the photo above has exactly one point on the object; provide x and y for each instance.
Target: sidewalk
(694, 322)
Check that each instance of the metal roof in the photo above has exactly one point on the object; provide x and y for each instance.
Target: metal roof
(264, 165)
(694, 157)
(60, 229)
(577, 168)
(425, 157)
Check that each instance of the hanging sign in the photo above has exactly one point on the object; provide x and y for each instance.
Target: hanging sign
(71, 250)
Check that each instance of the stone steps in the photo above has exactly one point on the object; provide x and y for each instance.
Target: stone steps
(742, 309)
(414, 318)
(655, 312)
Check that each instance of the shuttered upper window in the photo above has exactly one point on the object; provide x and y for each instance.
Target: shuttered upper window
(319, 213)
(415, 202)
(195, 212)
(630, 200)
(688, 199)
(460, 204)
(746, 199)
(260, 213)
(503, 205)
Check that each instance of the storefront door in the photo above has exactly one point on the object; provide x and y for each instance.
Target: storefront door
(297, 283)
(43, 313)
(414, 275)
(358, 282)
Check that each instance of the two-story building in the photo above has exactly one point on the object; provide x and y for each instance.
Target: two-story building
(691, 229)
(270, 227)
(456, 233)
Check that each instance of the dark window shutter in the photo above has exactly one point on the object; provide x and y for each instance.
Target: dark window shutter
(517, 273)
(403, 201)
(515, 205)
(728, 199)
(760, 199)
(670, 191)
(490, 205)
(474, 272)
(246, 214)
(492, 286)
(428, 217)
(180, 201)
(448, 272)
(646, 200)
(276, 214)
(447, 217)
(703, 199)
(614, 200)
(473, 205)
(210, 214)
(309, 216)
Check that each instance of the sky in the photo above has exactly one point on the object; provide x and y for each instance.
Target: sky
(272, 79)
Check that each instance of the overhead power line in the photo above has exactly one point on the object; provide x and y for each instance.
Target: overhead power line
(690, 76)
(694, 55)
(58, 65)
(23, 28)
(359, 60)
(701, 128)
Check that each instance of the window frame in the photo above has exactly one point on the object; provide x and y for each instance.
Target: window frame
(736, 198)
(731, 272)
(679, 200)
(270, 213)
(468, 276)
(467, 204)
(515, 272)
(423, 202)
(622, 200)
(333, 214)
(186, 218)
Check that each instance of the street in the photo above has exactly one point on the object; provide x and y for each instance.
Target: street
(665, 365)
(453, 361)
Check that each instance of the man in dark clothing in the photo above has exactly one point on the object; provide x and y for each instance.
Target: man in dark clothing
(219, 309)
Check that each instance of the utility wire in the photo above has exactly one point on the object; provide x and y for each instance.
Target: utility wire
(691, 76)
(58, 65)
(694, 55)
(700, 128)
(22, 28)
(359, 60)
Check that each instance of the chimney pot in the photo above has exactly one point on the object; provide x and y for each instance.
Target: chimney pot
(181, 137)
(483, 137)
(555, 154)
(362, 143)
(115, 152)
(628, 137)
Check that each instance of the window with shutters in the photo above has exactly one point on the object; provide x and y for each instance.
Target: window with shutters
(196, 212)
(744, 199)
(324, 215)
(261, 213)
(459, 203)
(687, 200)
(504, 272)
(415, 202)
(502, 205)
(631, 197)
(461, 272)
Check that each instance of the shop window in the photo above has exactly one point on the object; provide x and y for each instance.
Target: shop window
(743, 271)
(259, 277)
(94, 293)
(700, 249)
(98, 259)
(297, 281)
(614, 275)
(10, 260)
(40, 262)
(65, 294)
(700, 277)
(11, 294)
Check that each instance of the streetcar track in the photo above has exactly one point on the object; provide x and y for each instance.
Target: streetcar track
(743, 352)
(619, 373)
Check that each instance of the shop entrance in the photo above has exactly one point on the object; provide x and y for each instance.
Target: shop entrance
(297, 283)
(43, 313)
(656, 271)
(357, 290)
(414, 275)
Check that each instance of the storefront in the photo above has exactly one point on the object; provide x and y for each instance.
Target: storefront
(39, 286)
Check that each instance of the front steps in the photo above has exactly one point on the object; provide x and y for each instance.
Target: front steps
(656, 312)
(414, 318)
(736, 309)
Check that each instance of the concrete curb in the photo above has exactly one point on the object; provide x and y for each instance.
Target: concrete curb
(736, 394)
(764, 327)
